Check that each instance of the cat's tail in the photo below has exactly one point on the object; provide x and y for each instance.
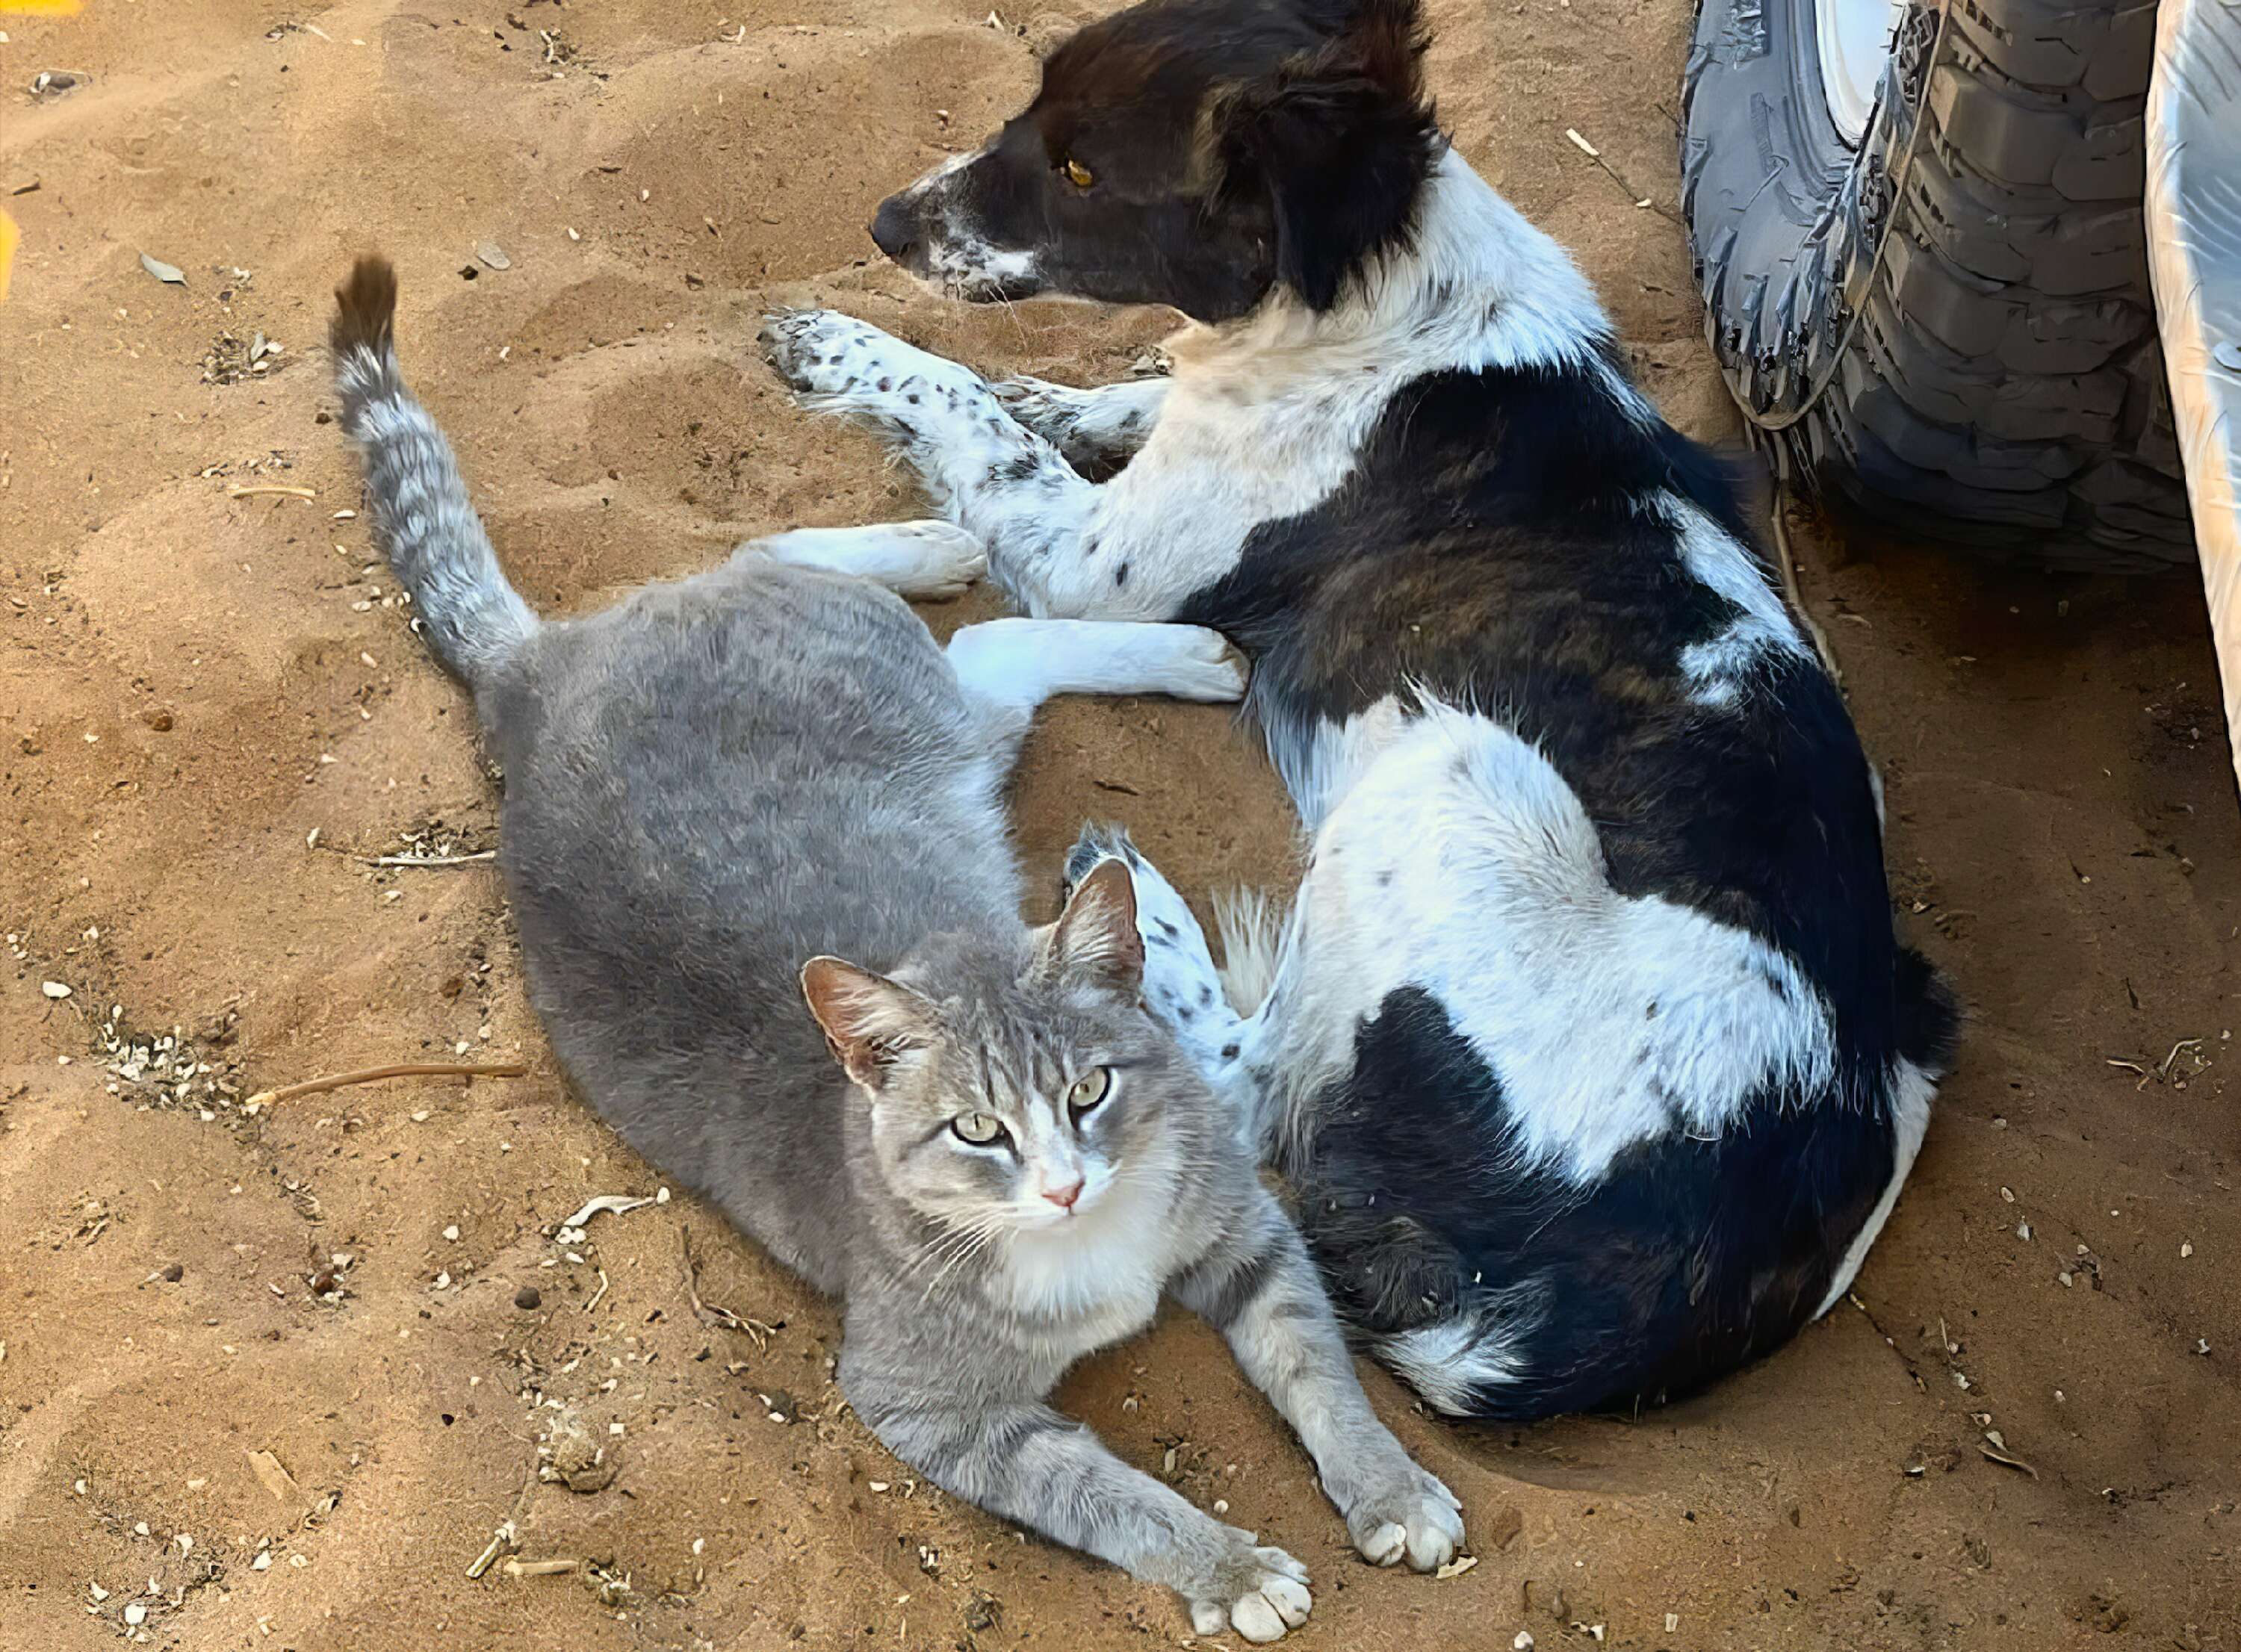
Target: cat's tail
(468, 613)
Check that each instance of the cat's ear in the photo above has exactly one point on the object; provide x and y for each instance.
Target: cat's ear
(869, 1020)
(1094, 940)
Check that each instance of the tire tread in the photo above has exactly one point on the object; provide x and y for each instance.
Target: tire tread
(2003, 389)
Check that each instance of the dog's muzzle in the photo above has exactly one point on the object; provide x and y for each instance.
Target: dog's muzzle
(895, 230)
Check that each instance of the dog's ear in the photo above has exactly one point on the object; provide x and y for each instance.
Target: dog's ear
(1339, 141)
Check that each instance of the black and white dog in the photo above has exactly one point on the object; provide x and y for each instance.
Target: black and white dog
(1587, 1046)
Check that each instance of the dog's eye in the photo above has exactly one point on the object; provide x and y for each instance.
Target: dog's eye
(1078, 174)
(1088, 1090)
(977, 1128)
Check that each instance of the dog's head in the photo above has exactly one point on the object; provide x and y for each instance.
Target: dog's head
(1194, 153)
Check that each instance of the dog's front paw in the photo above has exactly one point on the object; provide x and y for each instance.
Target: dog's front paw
(1406, 1513)
(1259, 1592)
(928, 561)
(822, 352)
(1050, 410)
(935, 560)
(1208, 667)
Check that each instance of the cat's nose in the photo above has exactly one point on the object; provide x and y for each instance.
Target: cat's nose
(1064, 1197)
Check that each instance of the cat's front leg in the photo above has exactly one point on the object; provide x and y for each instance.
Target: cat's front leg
(1029, 1464)
(986, 471)
(1261, 1292)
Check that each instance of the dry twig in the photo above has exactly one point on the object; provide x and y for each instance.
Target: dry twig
(427, 859)
(712, 1314)
(375, 1074)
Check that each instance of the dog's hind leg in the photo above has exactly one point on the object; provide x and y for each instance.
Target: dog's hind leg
(1182, 989)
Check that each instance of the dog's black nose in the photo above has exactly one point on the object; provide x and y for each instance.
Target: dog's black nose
(892, 227)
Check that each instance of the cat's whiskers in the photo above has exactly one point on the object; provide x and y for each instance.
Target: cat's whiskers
(1160, 1172)
(980, 1243)
(959, 1243)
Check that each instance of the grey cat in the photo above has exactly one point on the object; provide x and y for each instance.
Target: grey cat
(722, 788)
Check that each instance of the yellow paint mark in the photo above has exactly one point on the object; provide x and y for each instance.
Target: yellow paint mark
(10, 235)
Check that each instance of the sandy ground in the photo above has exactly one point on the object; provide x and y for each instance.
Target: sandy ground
(212, 714)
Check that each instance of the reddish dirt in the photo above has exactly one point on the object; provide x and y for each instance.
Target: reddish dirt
(191, 685)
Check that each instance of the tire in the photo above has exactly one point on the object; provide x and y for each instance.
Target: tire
(1949, 327)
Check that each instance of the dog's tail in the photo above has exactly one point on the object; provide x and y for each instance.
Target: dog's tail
(1251, 925)
(470, 616)
(1929, 1015)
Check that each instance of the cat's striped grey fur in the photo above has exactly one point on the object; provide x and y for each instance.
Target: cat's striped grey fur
(716, 786)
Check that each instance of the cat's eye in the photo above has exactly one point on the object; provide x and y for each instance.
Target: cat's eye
(977, 1128)
(1088, 1090)
(1078, 174)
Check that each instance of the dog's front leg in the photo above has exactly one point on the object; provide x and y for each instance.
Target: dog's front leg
(1098, 430)
(985, 471)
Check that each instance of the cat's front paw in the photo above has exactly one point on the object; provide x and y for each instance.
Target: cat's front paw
(1259, 1592)
(1406, 1513)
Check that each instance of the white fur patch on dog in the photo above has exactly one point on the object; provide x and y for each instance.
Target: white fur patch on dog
(1450, 1363)
(1762, 631)
(1912, 1091)
(1458, 861)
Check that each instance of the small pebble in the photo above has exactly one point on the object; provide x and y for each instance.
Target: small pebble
(136, 1614)
(174, 1274)
(528, 1297)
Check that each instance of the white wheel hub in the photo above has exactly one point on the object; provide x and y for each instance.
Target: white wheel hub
(1854, 38)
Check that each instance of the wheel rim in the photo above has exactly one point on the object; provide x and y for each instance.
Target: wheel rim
(1855, 42)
